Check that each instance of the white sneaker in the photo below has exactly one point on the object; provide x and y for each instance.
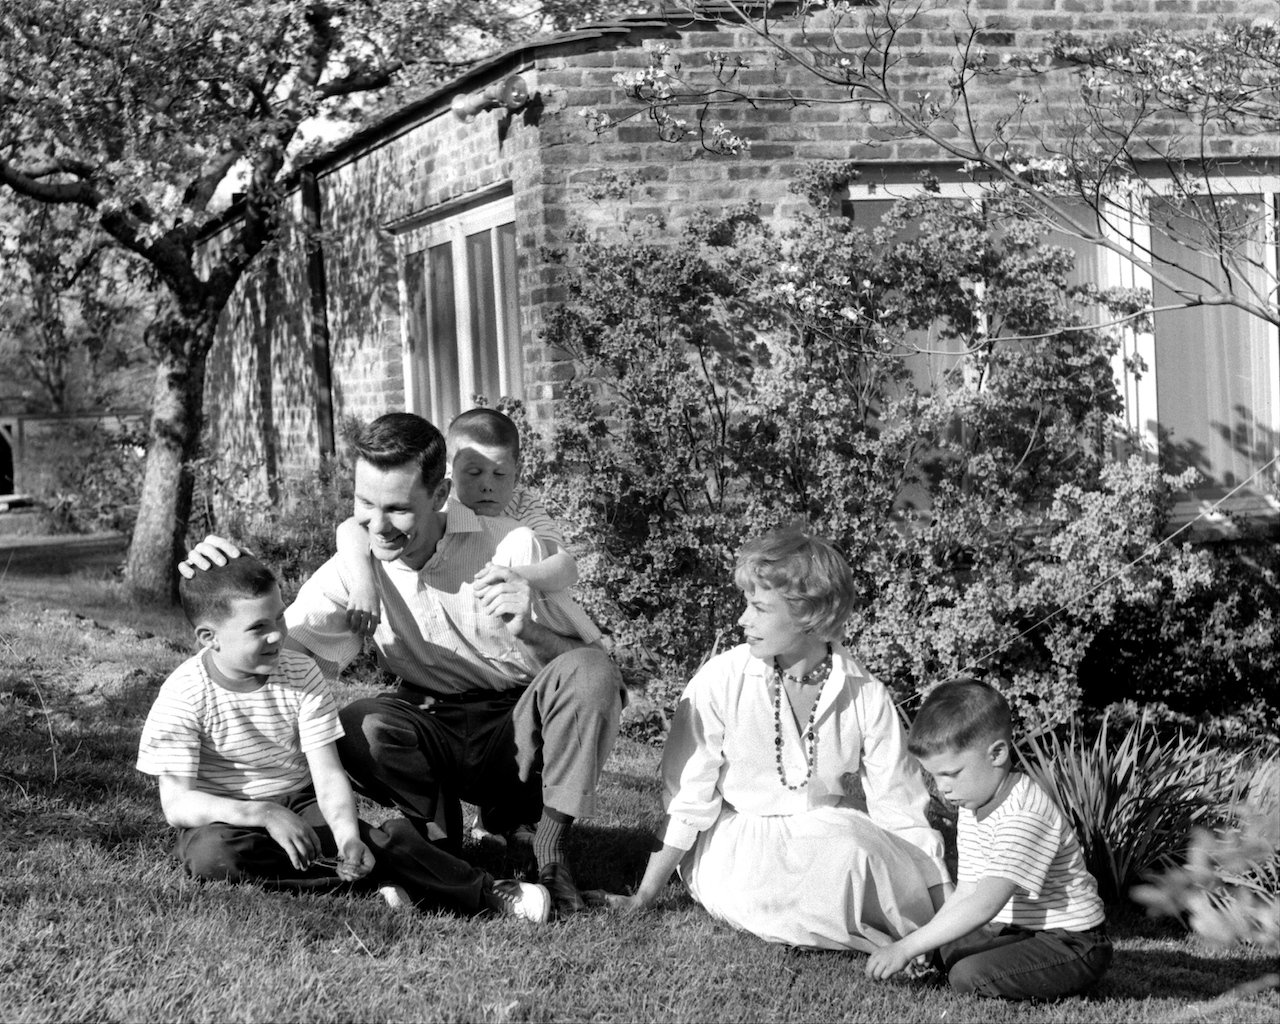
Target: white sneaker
(395, 897)
(521, 899)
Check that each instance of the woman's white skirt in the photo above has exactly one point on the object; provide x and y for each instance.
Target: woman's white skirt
(829, 878)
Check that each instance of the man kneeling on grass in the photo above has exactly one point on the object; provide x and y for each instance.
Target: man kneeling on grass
(242, 737)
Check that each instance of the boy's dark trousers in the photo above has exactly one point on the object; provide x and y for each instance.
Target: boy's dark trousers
(1009, 962)
(431, 876)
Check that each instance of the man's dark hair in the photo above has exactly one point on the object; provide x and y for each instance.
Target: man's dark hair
(207, 596)
(487, 427)
(959, 715)
(402, 438)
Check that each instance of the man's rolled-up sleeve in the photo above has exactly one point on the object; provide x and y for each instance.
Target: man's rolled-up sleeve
(317, 620)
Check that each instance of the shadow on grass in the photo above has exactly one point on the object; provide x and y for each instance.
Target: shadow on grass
(1174, 974)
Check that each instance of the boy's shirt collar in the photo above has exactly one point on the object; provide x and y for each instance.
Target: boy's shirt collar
(1009, 784)
(221, 680)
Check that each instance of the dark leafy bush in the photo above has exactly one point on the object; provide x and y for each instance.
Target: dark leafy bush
(96, 485)
(289, 522)
(1228, 887)
(729, 379)
(1133, 795)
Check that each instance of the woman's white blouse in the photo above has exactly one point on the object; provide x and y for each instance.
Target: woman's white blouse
(722, 752)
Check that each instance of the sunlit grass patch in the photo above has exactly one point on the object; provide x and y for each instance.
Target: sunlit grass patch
(100, 924)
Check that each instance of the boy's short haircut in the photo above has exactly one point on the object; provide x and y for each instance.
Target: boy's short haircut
(812, 576)
(959, 715)
(207, 596)
(487, 427)
(402, 438)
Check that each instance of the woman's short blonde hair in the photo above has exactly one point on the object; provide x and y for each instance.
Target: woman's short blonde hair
(810, 574)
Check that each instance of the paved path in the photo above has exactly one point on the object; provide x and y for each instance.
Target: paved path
(62, 554)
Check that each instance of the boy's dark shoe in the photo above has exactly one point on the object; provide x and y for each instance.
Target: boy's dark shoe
(565, 897)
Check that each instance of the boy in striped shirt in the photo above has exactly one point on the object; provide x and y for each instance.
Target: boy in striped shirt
(242, 738)
(1025, 921)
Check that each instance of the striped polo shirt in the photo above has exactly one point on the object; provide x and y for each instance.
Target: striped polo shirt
(527, 510)
(247, 746)
(1025, 840)
(433, 633)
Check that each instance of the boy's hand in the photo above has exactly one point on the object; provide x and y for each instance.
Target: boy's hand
(493, 574)
(295, 836)
(211, 551)
(625, 904)
(356, 860)
(505, 594)
(887, 961)
(364, 610)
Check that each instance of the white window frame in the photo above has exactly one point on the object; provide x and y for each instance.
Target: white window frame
(1140, 398)
(421, 236)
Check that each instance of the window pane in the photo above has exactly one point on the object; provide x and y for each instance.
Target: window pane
(416, 331)
(484, 326)
(1215, 365)
(444, 336)
(509, 306)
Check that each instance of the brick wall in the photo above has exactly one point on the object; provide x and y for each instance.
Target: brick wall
(423, 161)
(260, 389)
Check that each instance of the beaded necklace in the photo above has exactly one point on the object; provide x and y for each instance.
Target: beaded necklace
(808, 738)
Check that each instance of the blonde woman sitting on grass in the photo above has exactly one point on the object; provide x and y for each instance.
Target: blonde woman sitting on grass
(760, 826)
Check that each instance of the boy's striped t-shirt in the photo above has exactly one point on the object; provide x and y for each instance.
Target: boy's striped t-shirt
(247, 746)
(527, 510)
(1025, 840)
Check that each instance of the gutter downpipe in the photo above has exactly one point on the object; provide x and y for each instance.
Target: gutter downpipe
(319, 313)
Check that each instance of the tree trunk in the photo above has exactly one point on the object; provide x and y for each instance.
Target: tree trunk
(177, 415)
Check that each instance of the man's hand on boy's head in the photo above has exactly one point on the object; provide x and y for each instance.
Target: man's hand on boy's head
(211, 551)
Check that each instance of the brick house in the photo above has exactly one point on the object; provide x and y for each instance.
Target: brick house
(409, 275)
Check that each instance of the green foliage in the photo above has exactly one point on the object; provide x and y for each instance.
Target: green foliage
(729, 378)
(135, 113)
(71, 314)
(95, 485)
(1207, 655)
(1228, 889)
(1134, 797)
(288, 524)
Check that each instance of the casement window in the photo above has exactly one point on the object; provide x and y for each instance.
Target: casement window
(461, 308)
(1201, 387)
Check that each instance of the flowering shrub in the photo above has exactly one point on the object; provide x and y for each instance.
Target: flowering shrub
(96, 477)
(730, 378)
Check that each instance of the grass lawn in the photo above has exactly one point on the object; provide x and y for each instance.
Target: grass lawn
(100, 925)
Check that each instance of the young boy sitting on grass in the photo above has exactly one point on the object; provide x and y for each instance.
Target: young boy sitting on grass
(1025, 921)
(242, 737)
